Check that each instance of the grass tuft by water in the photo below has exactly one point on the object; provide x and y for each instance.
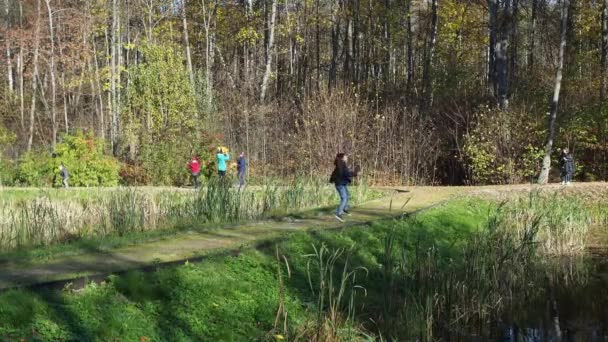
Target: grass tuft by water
(53, 217)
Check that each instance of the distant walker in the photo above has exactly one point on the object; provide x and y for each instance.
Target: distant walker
(195, 169)
(222, 158)
(566, 164)
(241, 169)
(63, 172)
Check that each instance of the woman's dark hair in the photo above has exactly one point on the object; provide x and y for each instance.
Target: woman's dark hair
(339, 158)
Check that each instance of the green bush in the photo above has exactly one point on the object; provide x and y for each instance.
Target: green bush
(7, 172)
(7, 169)
(502, 148)
(165, 162)
(82, 154)
(161, 118)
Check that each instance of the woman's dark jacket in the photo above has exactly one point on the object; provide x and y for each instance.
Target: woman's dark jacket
(341, 175)
(567, 163)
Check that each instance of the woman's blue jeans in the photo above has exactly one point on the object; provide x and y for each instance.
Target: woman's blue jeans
(343, 193)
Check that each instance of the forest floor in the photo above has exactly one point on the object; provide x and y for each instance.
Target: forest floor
(96, 264)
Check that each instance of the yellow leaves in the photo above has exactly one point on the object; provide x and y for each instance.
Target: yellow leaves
(279, 337)
(247, 34)
(299, 39)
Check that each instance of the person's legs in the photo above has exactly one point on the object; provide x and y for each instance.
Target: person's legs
(347, 206)
(64, 181)
(343, 199)
(241, 179)
(195, 180)
(569, 178)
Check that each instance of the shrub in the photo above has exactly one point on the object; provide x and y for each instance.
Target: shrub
(163, 116)
(7, 172)
(133, 175)
(502, 148)
(165, 161)
(7, 169)
(82, 154)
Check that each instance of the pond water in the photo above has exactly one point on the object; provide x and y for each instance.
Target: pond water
(573, 306)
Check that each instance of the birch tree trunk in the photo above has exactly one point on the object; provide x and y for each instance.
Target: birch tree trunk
(9, 62)
(388, 54)
(543, 178)
(409, 45)
(114, 76)
(187, 45)
(604, 52)
(335, 32)
(492, 22)
(20, 68)
(603, 66)
(349, 46)
(30, 140)
(318, 45)
(102, 125)
(427, 99)
(63, 80)
(501, 51)
(532, 35)
(52, 72)
(209, 20)
(269, 52)
(514, 42)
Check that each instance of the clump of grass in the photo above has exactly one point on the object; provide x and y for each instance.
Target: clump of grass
(333, 282)
(562, 220)
(28, 222)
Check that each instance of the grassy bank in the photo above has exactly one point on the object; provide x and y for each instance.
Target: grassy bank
(450, 272)
(32, 218)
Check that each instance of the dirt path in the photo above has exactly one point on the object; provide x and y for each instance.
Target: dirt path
(196, 245)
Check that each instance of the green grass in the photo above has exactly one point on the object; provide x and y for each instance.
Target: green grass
(35, 218)
(223, 298)
(401, 279)
(190, 302)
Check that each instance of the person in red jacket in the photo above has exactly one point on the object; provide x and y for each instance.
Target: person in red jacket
(194, 165)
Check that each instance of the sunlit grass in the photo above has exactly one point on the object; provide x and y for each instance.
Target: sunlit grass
(55, 217)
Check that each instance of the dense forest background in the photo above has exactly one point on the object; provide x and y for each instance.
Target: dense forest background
(419, 92)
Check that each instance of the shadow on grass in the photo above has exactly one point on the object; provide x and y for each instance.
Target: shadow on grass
(232, 295)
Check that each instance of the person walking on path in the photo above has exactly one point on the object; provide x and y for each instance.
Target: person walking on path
(63, 172)
(342, 176)
(567, 167)
(195, 169)
(241, 169)
(222, 158)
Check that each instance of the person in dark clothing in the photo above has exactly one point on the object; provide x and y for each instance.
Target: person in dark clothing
(567, 167)
(63, 172)
(241, 169)
(342, 176)
(195, 169)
